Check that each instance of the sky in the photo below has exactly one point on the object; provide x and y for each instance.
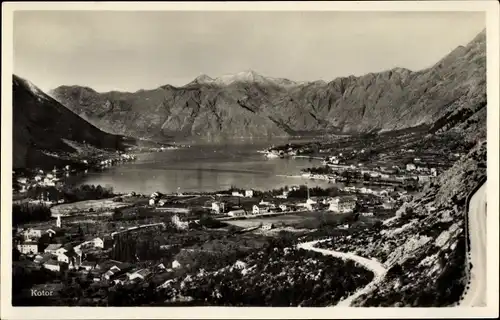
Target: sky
(131, 50)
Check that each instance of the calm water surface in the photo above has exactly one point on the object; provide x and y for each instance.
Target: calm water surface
(204, 168)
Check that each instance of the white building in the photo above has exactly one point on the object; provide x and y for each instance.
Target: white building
(52, 265)
(28, 248)
(139, 274)
(32, 233)
(267, 226)
(176, 264)
(260, 209)
(236, 194)
(342, 204)
(249, 193)
(152, 201)
(237, 213)
(283, 207)
(73, 259)
(183, 225)
(410, 167)
(53, 248)
(389, 204)
(434, 172)
(218, 207)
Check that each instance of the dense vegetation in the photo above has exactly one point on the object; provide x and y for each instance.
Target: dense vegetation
(29, 212)
(71, 193)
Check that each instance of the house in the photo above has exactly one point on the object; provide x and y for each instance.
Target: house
(41, 259)
(52, 248)
(434, 172)
(105, 242)
(237, 194)
(28, 247)
(367, 214)
(71, 258)
(218, 207)
(237, 213)
(106, 265)
(162, 202)
(283, 207)
(120, 280)
(161, 266)
(117, 270)
(53, 265)
(152, 201)
(96, 275)
(267, 226)
(176, 264)
(342, 204)
(410, 167)
(249, 193)
(139, 274)
(260, 209)
(389, 204)
(155, 195)
(87, 265)
(32, 233)
(424, 178)
(179, 223)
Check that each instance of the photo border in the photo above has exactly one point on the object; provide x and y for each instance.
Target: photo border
(491, 8)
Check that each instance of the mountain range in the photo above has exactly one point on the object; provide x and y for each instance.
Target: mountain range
(248, 104)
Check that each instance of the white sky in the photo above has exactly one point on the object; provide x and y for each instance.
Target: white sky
(112, 50)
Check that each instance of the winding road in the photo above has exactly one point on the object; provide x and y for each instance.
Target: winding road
(376, 267)
(475, 296)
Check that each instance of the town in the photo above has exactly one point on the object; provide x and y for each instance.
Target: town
(172, 242)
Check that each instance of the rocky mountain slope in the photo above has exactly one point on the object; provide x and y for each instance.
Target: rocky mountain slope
(43, 128)
(250, 105)
(423, 247)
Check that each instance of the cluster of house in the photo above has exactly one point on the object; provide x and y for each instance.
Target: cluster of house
(423, 173)
(57, 256)
(43, 179)
(124, 157)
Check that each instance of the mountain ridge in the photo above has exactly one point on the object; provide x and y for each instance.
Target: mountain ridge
(43, 127)
(247, 104)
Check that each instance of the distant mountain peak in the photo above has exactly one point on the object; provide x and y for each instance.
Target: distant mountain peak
(203, 79)
(243, 76)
